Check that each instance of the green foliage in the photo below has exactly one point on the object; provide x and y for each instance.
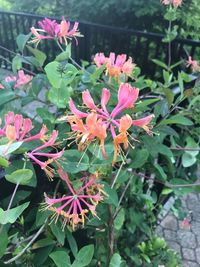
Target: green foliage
(94, 212)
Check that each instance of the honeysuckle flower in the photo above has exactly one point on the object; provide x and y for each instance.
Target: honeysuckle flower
(22, 79)
(74, 206)
(94, 124)
(115, 65)
(50, 29)
(10, 78)
(36, 153)
(16, 128)
(174, 3)
(194, 64)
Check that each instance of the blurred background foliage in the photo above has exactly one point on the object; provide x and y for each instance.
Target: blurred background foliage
(132, 14)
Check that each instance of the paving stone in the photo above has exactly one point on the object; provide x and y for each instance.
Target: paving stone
(170, 235)
(190, 264)
(198, 255)
(170, 223)
(186, 239)
(195, 227)
(159, 231)
(188, 254)
(198, 240)
(175, 246)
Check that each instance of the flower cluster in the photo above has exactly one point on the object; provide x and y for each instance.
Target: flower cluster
(51, 157)
(115, 65)
(20, 80)
(16, 128)
(194, 64)
(74, 206)
(174, 3)
(98, 121)
(50, 29)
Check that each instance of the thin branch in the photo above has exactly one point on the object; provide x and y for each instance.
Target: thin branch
(28, 245)
(121, 198)
(185, 148)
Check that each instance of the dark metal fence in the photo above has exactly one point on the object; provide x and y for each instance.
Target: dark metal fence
(142, 46)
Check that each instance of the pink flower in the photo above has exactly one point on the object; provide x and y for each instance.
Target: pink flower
(100, 59)
(115, 65)
(11, 78)
(35, 153)
(175, 3)
(194, 64)
(16, 128)
(1, 86)
(22, 79)
(50, 29)
(98, 120)
(74, 206)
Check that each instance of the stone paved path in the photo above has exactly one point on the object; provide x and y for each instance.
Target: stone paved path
(183, 237)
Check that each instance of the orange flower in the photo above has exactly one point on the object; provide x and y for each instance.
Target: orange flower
(125, 124)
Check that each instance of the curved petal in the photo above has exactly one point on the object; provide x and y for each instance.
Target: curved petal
(75, 111)
(105, 96)
(88, 100)
(143, 123)
(125, 123)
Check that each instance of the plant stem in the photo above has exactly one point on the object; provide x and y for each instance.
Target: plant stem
(185, 148)
(121, 198)
(169, 46)
(28, 245)
(111, 234)
(10, 203)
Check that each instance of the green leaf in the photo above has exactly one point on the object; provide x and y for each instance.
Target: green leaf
(45, 115)
(4, 241)
(75, 161)
(22, 176)
(60, 96)
(5, 150)
(3, 162)
(22, 40)
(6, 96)
(13, 214)
(139, 157)
(166, 191)
(191, 144)
(177, 119)
(60, 258)
(84, 256)
(144, 104)
(45, 242)
(39, 55)
(188, 160)
(16, 63)
(160, 63)
(115, 260)
(169, 96)
(72, 243)
(161, 172)
(112, 195)
(119, 220)
(17, 165)
(58, 74)
(58, 233)
(54, 77)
